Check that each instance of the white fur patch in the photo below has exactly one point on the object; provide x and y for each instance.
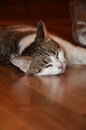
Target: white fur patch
(26, 41)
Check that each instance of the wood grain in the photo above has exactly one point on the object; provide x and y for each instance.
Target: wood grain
(44, 103)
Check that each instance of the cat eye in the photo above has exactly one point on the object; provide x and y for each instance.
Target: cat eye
(48, 66)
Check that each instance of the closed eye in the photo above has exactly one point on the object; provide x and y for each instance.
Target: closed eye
(48, 66)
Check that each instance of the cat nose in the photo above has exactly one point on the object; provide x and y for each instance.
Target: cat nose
(62, 64)
(60, 67)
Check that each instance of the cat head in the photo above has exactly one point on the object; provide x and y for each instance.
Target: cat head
(43, 57)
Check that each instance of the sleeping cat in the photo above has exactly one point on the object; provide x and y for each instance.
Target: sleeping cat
(37, 52)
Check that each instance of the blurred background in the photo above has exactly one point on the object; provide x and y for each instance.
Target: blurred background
(55, 14)
(32, 9)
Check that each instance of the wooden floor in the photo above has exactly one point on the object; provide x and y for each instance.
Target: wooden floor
(44, 103)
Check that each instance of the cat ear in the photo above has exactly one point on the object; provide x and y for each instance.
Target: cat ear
(41, 33)
(22, 62)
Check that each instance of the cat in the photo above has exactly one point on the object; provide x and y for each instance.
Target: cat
(38, 52)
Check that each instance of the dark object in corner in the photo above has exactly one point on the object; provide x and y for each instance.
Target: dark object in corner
(78, 17)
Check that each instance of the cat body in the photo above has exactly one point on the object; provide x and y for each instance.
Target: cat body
(37, 52)
(10, 37)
